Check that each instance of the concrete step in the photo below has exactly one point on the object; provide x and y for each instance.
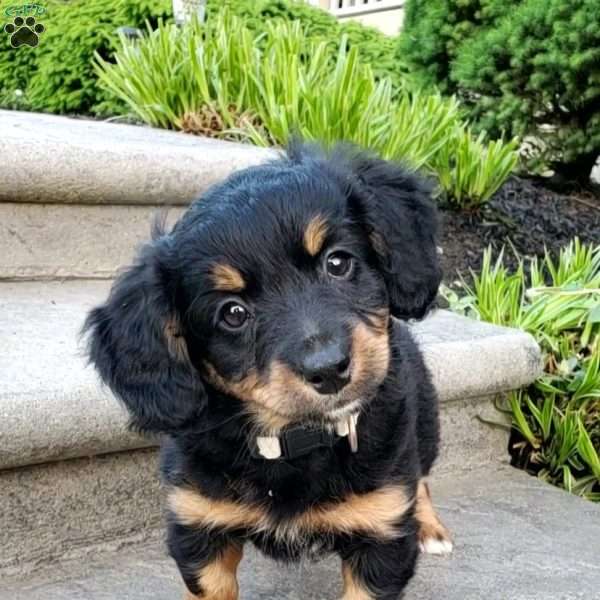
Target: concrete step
(74, 480)
(64, 241)
(72, 473)
(52, 159)
(516, 538)
(54, 408)
(87, 200)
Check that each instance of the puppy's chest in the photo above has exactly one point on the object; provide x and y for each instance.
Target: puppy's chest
(305, 545)
(294, 492)
(296, 528)
(301, 514)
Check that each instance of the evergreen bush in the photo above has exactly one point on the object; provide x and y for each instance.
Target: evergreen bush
(526, 68)
(537, 75)
(57, 75)
(434, 31)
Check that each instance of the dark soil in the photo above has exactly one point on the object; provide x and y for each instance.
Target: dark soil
(524, 214)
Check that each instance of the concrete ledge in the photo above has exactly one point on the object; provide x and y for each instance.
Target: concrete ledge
(57, 510)
(54, 159)
(52, 407)
(469, 358)
(55, 241)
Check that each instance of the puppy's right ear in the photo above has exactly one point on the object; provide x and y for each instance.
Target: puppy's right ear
(137, 346)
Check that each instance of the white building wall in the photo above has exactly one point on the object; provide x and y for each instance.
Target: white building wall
(373, 13)
(389, 22)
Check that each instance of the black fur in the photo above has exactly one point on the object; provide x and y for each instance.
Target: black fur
(378, 213)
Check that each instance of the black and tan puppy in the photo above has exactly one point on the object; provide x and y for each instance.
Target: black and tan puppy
(257, 336)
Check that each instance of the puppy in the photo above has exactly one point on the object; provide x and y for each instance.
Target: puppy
(257, 337)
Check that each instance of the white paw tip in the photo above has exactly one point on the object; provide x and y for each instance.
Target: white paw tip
(437, 547)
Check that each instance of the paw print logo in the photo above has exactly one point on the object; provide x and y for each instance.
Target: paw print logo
(24, 32)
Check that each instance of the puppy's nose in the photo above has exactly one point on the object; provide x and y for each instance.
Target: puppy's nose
(327, 369)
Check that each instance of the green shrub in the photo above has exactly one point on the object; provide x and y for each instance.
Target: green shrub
(538, 74)
(434, 31)
(376, 49)
(216, 79)
(557, 300)
(57, 76)
(289, 85)
(257, 13)
(379, 51)
(16, 66)
(526, 68)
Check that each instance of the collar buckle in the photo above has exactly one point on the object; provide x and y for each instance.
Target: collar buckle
(299, 441)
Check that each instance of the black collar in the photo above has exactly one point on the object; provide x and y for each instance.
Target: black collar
(300, 440)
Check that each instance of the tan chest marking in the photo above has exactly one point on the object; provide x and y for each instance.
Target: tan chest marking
(375, 513)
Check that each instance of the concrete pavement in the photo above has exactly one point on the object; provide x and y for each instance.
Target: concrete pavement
(516, 538)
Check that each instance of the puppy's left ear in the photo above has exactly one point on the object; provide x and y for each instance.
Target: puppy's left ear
(396, 208)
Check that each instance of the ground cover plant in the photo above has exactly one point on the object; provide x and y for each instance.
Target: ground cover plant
(376, 49)
(223, 78)
(521, 68)
(57, 75)
(556, 420)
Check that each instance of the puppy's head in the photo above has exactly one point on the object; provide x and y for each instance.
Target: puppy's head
(275, 288)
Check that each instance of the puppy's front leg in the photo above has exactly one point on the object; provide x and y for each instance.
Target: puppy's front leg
(207, 562)
(434, 538)
(378, 570)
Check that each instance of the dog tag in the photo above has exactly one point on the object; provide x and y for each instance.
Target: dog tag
(347, 429)
(352, 435)
(341, 428)
(269, 447)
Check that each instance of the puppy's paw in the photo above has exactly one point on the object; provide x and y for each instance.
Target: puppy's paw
(439, 547)
(434, 538)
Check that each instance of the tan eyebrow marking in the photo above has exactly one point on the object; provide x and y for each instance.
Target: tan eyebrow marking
(175, 340)
(227, 278)
(315, 234)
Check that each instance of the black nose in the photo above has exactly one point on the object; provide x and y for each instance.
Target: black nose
(327, 369)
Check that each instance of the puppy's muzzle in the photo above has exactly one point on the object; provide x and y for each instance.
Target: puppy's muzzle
(326, 366)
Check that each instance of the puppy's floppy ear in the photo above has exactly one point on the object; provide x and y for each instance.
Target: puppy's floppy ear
(136, 344)
(400, 217)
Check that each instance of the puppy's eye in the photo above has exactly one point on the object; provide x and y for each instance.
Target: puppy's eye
(234, 315)
(340, 265)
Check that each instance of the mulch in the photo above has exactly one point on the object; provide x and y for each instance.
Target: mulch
(524, 214)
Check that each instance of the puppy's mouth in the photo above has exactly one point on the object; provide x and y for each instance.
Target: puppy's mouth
(280, 396)
(303, 405)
